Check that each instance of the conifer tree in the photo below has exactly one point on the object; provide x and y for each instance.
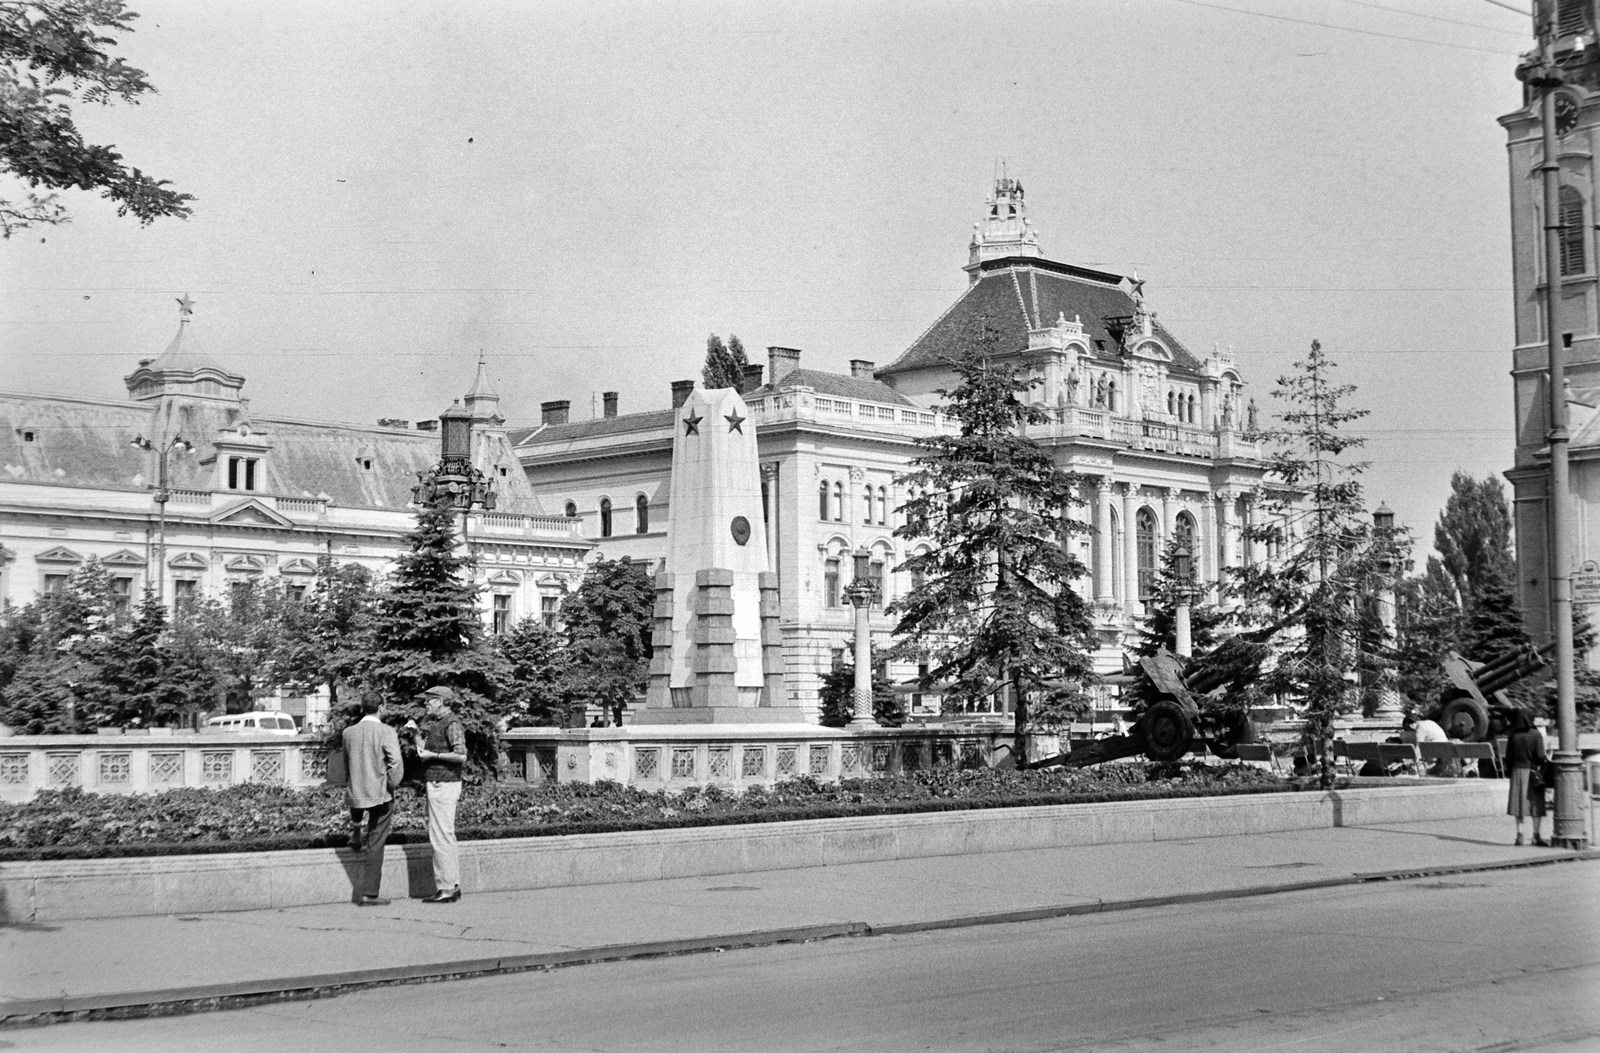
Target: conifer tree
(1317, 521)
(996, 611)
(1159, 627)
(725, 364)
(837, 698)
(537, 672)
(609, 624)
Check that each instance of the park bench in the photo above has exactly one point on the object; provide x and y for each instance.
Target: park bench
(1446, 757)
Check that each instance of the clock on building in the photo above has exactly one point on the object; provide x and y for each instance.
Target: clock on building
(1566, 114)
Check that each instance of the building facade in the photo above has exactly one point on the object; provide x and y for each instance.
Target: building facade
(1576, 325)
(1158, 434)
(248, 495)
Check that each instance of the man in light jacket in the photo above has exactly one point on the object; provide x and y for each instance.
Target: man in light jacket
(372, 749)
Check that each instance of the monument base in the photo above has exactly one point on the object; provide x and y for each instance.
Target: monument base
(718, 715)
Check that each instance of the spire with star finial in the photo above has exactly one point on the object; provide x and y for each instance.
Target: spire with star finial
(184, 368)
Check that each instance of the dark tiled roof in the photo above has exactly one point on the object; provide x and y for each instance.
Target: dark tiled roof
(85, 442)
(572, 431)
(835, 385)
(1003, 297)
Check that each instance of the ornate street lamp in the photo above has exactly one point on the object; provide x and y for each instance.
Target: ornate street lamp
(454, 480)
(162, 495)
(1183, 568)
(1383, 539)
(862, 592)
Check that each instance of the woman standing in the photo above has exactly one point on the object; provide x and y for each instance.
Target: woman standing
(1524, 763)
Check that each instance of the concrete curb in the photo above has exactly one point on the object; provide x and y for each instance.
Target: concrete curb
(203, 998)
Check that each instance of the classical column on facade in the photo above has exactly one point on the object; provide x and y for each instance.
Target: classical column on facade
(1227, 532)
(769, 482)
(1104, 580)
(1250, 553)
(1169, 505)
(1130, 551)
(1205, 540)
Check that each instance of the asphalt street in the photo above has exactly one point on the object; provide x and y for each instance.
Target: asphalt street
(1490, 961)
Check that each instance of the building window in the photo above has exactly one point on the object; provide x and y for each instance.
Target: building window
(919, 578)
(641, 513)
(1111, 395)
(822, 500)
(1146, 525)
(239, 596)
(875, 577)
(549, 610)
(500, 613)
(830, 583)
(184, 593)
(1569, 18)
(27, 436)
(883, 505)
(296, 593)
(121, 598)
(838, 502)
(1191, 409)
(1172, 404)
(242, 473)
(1183, 532)
(605, 517)
(572, 510)
(866, 504)
(54, 583)
(1572, 232)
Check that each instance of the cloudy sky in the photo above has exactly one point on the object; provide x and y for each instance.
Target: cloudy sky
(583, 191)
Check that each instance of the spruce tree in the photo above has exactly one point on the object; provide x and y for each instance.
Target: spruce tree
(837, 697)
(536, 669)
(1317, 520)
(996, 611)
(725, 363)
(609, 622)
(427, 632)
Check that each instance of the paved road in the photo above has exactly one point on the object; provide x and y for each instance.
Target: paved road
(1486, 961)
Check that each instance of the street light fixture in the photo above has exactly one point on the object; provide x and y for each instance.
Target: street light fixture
(454, 480)
(161, 450)
(1183, 570)
(862, 593)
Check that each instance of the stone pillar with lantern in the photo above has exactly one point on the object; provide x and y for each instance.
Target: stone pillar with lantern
(1388, 706)
(862, 593)
(1183, 568)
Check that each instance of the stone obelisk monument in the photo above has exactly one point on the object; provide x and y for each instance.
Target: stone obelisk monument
(718, 655)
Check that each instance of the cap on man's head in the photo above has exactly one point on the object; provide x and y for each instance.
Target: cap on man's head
(440, 692)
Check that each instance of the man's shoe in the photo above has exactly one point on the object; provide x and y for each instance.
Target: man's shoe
(444, 897)
(372, 901)
(1539, 840)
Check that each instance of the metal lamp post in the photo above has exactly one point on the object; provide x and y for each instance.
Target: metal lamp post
(862, 592)
(1542, 72)
(162, 495)
(1183, 566)
(454, 480)
(1383, 539)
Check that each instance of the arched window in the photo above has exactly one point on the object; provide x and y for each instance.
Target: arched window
(883, 506)
(605, 517)
(572, 510)
(1172, 404)
(822, 500)
(1191, 409)
(1572, 255)
(866, 504)
(1146, 542)
(1183, 534)
(641, 514)
(1111, 395)
(838, 502)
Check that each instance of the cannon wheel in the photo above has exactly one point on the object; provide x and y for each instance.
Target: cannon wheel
(1234, 727)
(1168, 731)
(1462, 718)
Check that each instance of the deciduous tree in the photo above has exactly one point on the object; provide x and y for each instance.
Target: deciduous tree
(725, 364)
(608, 622)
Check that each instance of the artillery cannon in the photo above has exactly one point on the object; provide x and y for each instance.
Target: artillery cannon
(1474, 705)
(1174, 720)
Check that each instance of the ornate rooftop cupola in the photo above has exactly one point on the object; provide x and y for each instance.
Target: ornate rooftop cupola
(184, 368)
(482, 403)
(1005, 230)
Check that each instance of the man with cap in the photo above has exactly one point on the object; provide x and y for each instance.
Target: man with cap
(442, 748)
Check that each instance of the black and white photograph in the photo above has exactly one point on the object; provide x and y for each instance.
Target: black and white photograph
(709, 526)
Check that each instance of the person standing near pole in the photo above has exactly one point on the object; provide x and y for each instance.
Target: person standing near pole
(442, 748)
(374, 765)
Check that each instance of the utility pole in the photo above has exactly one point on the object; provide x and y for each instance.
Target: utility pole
(162, 495)
(1540, 71)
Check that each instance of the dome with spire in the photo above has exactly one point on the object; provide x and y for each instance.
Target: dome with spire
(184, 368)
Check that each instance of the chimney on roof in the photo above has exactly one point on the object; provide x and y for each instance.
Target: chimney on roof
(781, 362)
(681, 390)
(427, 425)
(393, 422)
(751, 379)
(861, 369)
(554, 412)
(610, 398)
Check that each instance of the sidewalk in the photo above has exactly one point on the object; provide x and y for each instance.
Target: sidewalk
(85, 966)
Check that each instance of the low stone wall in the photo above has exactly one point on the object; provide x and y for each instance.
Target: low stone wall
(146, 763)
(51, 891)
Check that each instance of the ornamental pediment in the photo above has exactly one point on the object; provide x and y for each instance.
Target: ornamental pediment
(246, 565)
(124, 558)
(251, 512)
(59, 554)
(188, 561)
(299, 566)
(1151, 348)
(505, 577)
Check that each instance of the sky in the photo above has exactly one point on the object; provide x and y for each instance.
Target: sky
(582, 192)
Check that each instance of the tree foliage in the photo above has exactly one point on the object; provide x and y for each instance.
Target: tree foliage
(54, 56)
(725, 363)
(996, 609)
(838, 693)
(537, 675)
(1473, 536)
(609, 622)
(1316, 522)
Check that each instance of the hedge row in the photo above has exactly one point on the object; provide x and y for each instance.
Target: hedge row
(71, 824)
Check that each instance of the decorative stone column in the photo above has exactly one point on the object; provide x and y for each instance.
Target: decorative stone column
(1169, 498)
(1104, 578)
(1130, 551)
(1228, 533)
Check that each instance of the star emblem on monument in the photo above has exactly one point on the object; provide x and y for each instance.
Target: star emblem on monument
(691, 425)
(185, 306)
(734, 423)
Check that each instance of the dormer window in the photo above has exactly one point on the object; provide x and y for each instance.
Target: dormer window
(27, 436)
(366, 462)
(242, 473)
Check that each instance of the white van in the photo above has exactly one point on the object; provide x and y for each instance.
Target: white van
(257, 723)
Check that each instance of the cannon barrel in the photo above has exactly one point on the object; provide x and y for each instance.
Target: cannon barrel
(1515, 656)
(1505, 671)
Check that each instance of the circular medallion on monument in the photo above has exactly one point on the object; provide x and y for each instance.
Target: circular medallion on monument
(741, 530)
